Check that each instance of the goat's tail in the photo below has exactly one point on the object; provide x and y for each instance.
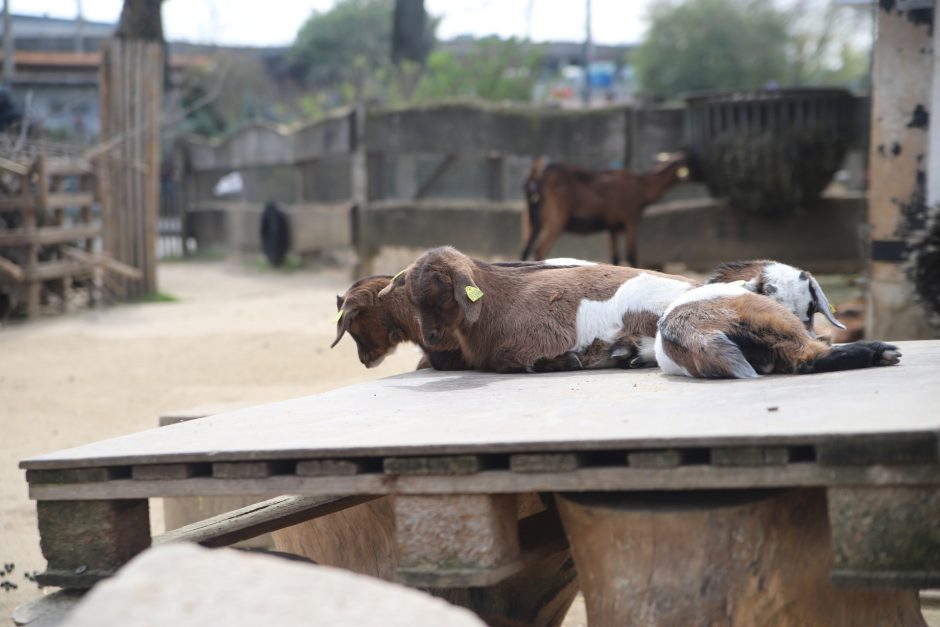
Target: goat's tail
(853, 356)
(710, 355)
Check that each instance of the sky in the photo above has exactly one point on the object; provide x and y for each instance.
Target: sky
(275, 22)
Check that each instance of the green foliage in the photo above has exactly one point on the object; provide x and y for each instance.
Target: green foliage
(745, 44)
(348, 43)
(712, 44)
(493, 69)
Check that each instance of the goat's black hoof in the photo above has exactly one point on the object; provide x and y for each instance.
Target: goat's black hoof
(885, 354)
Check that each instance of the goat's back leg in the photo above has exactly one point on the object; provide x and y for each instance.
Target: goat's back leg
(629, 239)
(614, 253)
(550, 233)
(530, 243)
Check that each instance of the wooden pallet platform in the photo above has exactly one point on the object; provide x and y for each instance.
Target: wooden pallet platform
(605, 430)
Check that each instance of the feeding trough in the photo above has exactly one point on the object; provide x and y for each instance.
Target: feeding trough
(769, 150)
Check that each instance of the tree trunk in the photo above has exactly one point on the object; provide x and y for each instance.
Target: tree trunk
(141, 20)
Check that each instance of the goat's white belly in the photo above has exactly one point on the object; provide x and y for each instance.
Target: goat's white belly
(603, 319)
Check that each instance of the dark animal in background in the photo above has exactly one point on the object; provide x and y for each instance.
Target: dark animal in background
(724, 330)
(275, 234)
(562, 197)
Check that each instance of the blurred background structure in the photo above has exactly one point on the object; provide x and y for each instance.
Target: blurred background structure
(410, 123)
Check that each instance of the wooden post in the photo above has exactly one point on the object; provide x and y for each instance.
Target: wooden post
(30, 218)
(708, 558)
(896, 200)
(131, 104)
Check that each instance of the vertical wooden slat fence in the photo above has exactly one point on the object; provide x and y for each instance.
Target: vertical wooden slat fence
(131, 102)
(48, 246)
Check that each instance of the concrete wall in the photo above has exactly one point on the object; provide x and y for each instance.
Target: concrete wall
(467, 162)
(699, 234)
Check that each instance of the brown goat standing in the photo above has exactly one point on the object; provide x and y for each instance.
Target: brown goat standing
(562, 197)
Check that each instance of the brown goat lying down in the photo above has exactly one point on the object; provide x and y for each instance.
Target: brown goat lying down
(530, 318)
(379, 326)
(562, 197)
(725, 330)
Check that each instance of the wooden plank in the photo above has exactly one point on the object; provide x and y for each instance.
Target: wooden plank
(64, 200)
(49, 235)
(156, 472)
(438, 465)
(249, 470)
(24, 202)
(77, 475)
(658, 458)
(505, 482)
(489, 414)
(102, 260)
(545, 462)
(59, 269)
(750, 455)
(12, 270)
(330, 467)
(13, 167)
(69, 166)
(254, 520)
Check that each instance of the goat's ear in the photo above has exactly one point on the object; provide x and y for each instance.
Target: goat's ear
(822, 303)
(342, 325)
(339, 302)
(467, 294)
(397, 282)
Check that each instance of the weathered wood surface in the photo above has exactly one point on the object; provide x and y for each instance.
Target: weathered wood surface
(710, 559)
(253, 520)
(446, 413)
(502, 482)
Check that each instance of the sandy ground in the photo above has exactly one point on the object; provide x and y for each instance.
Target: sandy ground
(237, 334)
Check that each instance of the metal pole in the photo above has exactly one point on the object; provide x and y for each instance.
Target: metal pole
(588, 55)
(79, 27)
(8, 52)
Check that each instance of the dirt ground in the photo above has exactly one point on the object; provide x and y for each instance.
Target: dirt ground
(236, 334)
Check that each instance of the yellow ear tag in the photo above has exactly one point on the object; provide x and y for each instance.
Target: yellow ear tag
(401, 272)
(473, 293)
(831, 308)
(339, 314)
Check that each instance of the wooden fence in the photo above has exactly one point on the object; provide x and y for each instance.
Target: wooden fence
(48, 246)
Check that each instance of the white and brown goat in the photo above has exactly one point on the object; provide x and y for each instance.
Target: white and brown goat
(795, 289)
(726, 330)
(525, 318)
